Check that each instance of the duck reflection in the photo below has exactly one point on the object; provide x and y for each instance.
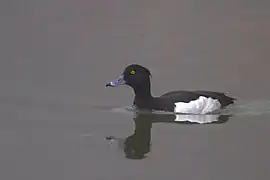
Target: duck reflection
(137, 145)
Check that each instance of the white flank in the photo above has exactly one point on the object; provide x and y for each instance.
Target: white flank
(203, 105)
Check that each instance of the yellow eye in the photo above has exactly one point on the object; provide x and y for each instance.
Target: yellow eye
(132, 72)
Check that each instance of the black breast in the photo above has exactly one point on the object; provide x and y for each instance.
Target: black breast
(154, 104)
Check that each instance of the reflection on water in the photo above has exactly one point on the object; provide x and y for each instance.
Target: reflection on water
(137, 145)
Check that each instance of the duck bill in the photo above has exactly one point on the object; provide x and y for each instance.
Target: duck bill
(119, 81)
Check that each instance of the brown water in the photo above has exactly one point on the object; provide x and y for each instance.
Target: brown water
(57, 56)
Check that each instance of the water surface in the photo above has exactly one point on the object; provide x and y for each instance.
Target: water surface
(58, 121)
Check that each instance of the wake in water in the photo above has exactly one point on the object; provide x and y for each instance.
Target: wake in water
(245, 108)
(239, 109)
(248, 109)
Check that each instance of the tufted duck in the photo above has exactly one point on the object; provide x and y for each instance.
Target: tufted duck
(187, 102)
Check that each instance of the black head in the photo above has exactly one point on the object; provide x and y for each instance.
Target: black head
(135, 76)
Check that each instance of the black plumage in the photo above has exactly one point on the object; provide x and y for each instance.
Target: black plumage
(138, 78)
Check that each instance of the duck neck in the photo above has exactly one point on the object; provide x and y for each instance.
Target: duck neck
(143, 92)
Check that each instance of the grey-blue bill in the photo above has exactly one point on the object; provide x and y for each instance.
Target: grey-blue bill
(119, 81)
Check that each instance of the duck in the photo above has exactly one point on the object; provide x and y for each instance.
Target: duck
(138, 78)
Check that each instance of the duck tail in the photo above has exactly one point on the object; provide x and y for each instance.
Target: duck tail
(230, 98)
